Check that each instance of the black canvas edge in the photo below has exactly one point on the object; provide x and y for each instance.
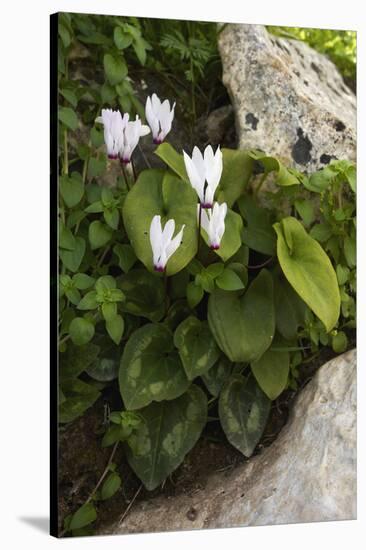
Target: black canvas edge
(53, 275)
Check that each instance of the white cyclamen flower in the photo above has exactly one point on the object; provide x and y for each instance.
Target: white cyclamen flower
(159, 117)
(213, 222)
(131, 134)
(114, 125)
(204, 173)
(162, 242)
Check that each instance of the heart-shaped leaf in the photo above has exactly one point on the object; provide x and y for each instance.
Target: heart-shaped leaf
(174, 160)
(99, 234)
(73, 258)
(290, 308)
(237, 169)
(169, 430)
(197, 347)
(72, 189)
(216, 377)
(144, 294)
(157, 192)
(243, 411)
(271, 372)
(258, 232)
(151, 369)
(244, 324)
(309, 270)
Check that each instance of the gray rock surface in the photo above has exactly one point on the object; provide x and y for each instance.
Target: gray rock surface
(308, 474)
(289, 100)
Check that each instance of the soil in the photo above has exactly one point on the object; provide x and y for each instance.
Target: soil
(82, 460)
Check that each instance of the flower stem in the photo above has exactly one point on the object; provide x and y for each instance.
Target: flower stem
(66, 154)
(199, 229)
(125, 176)
(166, 293)
(134, 171)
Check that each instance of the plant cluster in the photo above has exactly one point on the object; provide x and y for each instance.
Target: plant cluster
(178, 289)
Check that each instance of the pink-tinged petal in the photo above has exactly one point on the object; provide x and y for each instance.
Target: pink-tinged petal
(156, 238)
(168, 232)
(197, 182)
(208, 198)
(198, 162)
(151, 118)
(156, 104)
(174, 244)
(213, 169)
(205, 220)
(145, 130)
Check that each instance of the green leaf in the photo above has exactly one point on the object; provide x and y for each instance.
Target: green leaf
(111, 217)
(290, 308)
(306, 210)
(173, 159)
(342, 274)
(214, 270)
(89, 301)
(115, 68)
(169, 431)
(144, 294)
(115, 326)
(271, 372)
(109, 310)
(139, 47)
(244, 324)
(258, 233)
(73, 258)
(79, 396)
(339, 342)
(163, 194)
(76, 359)
(68, 117)
(319, 181)
(309, 270)
(229, 280)
(81, 331)
(70, 96)
(85, 515)
(321, 232)
(285, 177)
(237, 169)
(66, 237)
(151, 369)
(73, 295)
(99, 234)
(96, 167)
(97, 139)
(105, 366)
(215, 378)
(94, 208)
(121, 39)
(197, 348)
(243, 411)
(110, 486)
(72, 189)
(231, 241)
(106, 282)
(350, 250)
(126, 256)
(194, 294)
(83, 281)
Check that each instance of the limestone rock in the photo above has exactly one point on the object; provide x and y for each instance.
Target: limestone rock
(289, 100)
(308, 474)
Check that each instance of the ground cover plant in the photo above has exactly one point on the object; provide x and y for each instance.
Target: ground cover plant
(178, 289)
